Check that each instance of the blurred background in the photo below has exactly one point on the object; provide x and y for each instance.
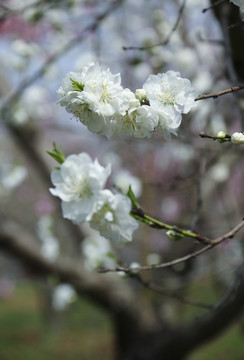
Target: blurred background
(45, 308)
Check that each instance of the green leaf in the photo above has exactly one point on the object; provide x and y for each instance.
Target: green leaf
(57, 154)
(77, 86)
(111, 255)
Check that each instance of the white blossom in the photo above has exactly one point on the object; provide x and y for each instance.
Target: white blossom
(153, 258)
(50, 245)
(93, 95)
(97, 99)
(123, 179)
(170, 96)
(237, 138)
(78, 183)
(112, 218)
(139, 123)
(63, 295)
(239, 3)
(141, 94)
(11, 175)
(23, 48)
(134, 267)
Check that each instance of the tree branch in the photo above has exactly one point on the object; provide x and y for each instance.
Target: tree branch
(171, 263)
(220, 93)
(204, 328)
(108, 293)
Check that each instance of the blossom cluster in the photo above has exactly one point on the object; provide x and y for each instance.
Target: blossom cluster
(79, 183)
(96, 97)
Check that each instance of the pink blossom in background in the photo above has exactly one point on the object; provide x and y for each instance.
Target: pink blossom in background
(44, 205)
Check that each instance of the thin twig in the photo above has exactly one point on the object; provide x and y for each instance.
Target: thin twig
(139, 215)
(167, 39)
(220, 93)
(171, 263)
(214, 138)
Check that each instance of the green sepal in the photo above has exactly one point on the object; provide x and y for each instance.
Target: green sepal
(132, 197)
(57, 154)
(77, 86)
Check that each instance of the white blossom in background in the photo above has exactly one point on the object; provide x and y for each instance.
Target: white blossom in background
(153, 258)
(63, 296)
(220, 172)
(97, 252)
(78, 183)
(50, 245)
(112, 158)
(123, 179)
(237, 138)
(23, 48)
(170, 96)
(217, 123)
(34, 104)
(112, 218)
(20, 55)
(239, 3)
(134, 267)
(11, 176)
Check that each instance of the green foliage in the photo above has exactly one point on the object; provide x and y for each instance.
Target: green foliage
(57, 154)
(229, 346)
(29, 332)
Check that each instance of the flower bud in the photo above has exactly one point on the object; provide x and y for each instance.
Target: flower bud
(237, 138)
(141, 94)
(221, 134)
(173, 235)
